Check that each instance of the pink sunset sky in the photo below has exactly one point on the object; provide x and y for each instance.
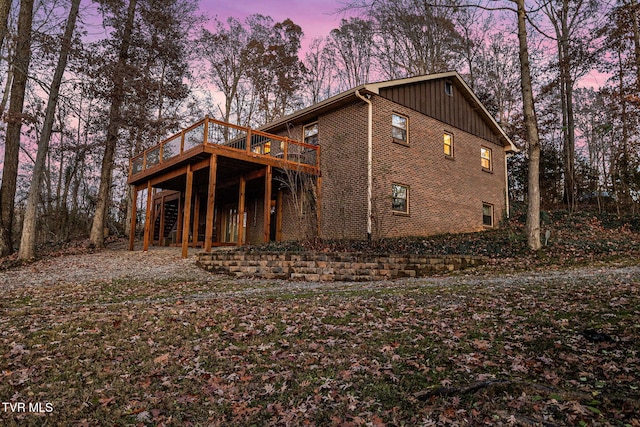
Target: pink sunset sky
(316, 17)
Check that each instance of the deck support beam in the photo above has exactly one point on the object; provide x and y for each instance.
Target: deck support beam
(267, 203)
(187, 212)
(241, 208)
(211, 200)
(134, 213)
(279, 200)
(318, 206)
(196, 219)
(148, 220)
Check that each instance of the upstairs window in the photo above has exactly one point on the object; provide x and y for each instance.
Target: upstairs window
(400, 198)
(399, 128)
(485, 158)
(448, 88)
(448, 144)
(310, 133)
(487, 215)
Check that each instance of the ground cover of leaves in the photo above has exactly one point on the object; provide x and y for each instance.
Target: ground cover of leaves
(574, 238)
(167, 344)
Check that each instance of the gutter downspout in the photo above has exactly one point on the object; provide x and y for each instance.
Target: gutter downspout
(369, 160)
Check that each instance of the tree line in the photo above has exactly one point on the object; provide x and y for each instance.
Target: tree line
(86, 85)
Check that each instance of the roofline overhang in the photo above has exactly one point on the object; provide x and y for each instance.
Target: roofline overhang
(374, 89)
(509, 145)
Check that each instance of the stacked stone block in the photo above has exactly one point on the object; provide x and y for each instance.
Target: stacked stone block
(329, 267)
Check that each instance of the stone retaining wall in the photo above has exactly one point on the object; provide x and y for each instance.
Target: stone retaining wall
(320, 266)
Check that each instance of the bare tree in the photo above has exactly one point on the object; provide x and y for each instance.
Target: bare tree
(15, 118)
(117, 98)
(28, 240)
(319, 66)
(302, 197)
(226, 54)
(5, 8)
(352, 46)
(533, 210)
(567, 18)
(426, 42)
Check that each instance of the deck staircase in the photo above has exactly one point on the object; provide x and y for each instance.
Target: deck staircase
(170, 221)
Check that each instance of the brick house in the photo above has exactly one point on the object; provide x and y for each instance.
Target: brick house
(414, 156)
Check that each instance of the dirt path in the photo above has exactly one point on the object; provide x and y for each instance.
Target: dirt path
(115, 262)
(160, 263)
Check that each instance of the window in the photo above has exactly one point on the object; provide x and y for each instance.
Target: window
(485, 155)
(448, 144)
(448, 88)
(399, 127)
(310, 134)
(400, 198)
(487, 215)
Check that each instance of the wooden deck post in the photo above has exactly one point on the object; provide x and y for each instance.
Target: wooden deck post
(318, 206)
(180, 218)
(241, 191)
(134, 212)
(211, 200)
(267, 203)
(196, 219)
(187, 213)
(148, 220)
(279, 216)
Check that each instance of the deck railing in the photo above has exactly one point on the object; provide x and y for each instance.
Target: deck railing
(215, 132)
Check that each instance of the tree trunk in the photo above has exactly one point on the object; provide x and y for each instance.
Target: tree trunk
(633, 7)
(7, 88)
(5, 8)
(14, 125)
(100, 216)
(533, 208)
(28, 240)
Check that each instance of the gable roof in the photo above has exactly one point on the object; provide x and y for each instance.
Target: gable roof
(375, 89)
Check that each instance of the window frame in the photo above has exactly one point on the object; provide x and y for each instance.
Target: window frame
(404, 141)
(491, 216)
(489, 159)
(451, 144)
(305, 136)
(407, 190)
(448, 88)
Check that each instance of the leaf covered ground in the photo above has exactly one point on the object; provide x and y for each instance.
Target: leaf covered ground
(574, 238)
(547, 348)
(114, 337)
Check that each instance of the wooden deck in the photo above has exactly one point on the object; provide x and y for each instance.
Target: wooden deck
(205, 162)
(210, 136)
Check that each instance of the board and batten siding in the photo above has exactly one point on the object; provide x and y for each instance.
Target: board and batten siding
(429, 98)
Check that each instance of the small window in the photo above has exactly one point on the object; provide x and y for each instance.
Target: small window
(400, 198)
(487, 215)
(399, 128)
(485, 158)
(448, 88)
(310, 134)
(448, 144)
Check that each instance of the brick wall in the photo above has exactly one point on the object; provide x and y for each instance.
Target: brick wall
(342, 136)
(446, 195)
